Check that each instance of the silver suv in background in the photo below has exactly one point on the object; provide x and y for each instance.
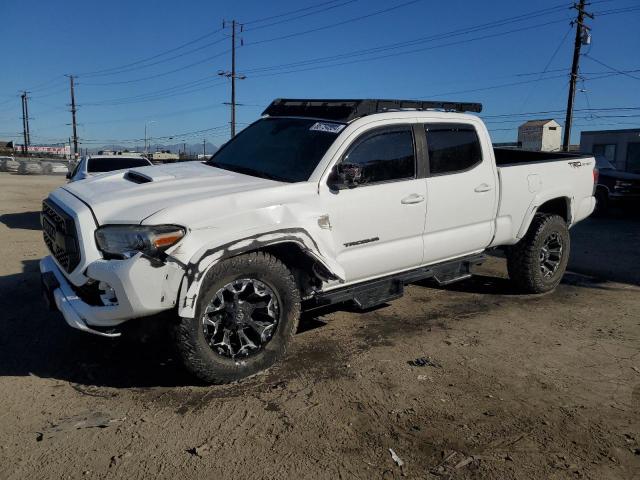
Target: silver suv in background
(95, 164)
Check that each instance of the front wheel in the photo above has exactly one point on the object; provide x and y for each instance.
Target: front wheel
(537, 263)
(247, 311)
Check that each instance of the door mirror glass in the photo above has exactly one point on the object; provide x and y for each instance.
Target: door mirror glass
(345, 175)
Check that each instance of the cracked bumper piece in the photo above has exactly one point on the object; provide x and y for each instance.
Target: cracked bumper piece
(141, 290)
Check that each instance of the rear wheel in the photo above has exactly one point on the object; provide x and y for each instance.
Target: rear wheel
(246, 314)
(537, 263)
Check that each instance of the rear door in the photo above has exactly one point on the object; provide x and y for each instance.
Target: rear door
(378, 225)
(462, 187)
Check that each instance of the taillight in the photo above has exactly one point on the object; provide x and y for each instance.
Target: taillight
(596, 174)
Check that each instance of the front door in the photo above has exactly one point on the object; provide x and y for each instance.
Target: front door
(377, 225)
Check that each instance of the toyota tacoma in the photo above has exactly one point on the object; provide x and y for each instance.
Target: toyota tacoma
(318, 202)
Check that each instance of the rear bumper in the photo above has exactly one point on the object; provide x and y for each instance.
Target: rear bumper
(141, 290)
(585, 208)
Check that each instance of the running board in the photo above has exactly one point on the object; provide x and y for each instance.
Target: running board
(371, 293)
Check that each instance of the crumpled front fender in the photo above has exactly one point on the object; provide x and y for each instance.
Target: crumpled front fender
(196, 270)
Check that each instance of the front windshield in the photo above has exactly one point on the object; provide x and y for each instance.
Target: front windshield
(284, 149)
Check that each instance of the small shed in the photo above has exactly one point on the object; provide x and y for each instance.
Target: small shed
(540, 135)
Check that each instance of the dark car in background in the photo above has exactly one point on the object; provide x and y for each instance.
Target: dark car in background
(615, 186)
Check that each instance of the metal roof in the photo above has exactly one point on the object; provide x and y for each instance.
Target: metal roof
(624, 130)
(538, 123)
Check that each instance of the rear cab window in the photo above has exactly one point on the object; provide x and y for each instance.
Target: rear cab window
(452, 148)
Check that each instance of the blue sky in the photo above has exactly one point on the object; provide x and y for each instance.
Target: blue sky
(349, 48)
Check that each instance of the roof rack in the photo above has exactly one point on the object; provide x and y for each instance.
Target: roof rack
(347, 110)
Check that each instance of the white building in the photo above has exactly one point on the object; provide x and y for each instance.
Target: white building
(540, 135)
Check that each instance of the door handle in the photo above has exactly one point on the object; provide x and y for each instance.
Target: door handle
(483, 187)
(413, 198)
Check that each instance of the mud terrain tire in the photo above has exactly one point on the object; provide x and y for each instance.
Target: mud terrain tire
(207, 356)
(528, 261)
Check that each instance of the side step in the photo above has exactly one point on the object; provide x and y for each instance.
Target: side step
(375, 292)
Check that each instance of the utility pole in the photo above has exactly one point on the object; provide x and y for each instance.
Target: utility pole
(204, 148)
(73, 117)
(581, 38)
(232, 74)
(26, 118)
(25, 123)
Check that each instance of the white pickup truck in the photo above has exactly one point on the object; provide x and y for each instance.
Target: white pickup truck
(317, 202)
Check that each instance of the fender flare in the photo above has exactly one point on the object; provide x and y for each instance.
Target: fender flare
(540, 200)
(199, 266)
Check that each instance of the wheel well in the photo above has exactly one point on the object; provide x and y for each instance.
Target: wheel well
(557, 206)
(307, 271)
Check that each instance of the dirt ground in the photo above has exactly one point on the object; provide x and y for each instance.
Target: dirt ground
(520, 387)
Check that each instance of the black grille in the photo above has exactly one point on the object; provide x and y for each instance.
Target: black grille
(59, 233)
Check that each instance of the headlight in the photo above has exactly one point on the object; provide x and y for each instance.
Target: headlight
(127, 240)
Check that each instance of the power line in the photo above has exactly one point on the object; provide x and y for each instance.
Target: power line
(304, 9)
(620, 72)
(416, 50)
(331, 7)
(548, 64)
(153, 57)
(163, 74)
(324, 27)
(416, 41)
(142, 99)
(180, 55)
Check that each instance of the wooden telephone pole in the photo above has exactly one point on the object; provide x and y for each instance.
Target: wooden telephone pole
(581, 30)
(25, 122)
(73, 117)
(232, 74)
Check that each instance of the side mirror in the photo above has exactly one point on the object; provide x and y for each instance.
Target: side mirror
(345, 175)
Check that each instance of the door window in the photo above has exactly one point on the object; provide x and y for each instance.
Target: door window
(633, 157)
(452, 148)
(384, 155)
(607, 151)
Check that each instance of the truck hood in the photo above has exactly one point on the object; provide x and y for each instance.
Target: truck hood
(130, 196)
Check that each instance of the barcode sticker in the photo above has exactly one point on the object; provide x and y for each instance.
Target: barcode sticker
(327, 127)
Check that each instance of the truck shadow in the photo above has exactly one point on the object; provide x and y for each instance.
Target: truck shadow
(36, 341)
(23, 220)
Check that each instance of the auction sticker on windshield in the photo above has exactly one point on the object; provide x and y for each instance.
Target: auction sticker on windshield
(327, 127)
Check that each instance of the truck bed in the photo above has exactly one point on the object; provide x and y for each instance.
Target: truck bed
(511, 156)
(529, 179)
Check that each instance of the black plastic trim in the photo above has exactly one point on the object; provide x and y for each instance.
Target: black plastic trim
(387, 288)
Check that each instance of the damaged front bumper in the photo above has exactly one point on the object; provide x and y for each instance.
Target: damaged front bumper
(141, 289)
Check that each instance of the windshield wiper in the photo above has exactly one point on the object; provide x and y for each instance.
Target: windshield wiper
(247, 171)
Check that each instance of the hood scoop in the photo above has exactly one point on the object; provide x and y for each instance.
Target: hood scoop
(137, 176)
